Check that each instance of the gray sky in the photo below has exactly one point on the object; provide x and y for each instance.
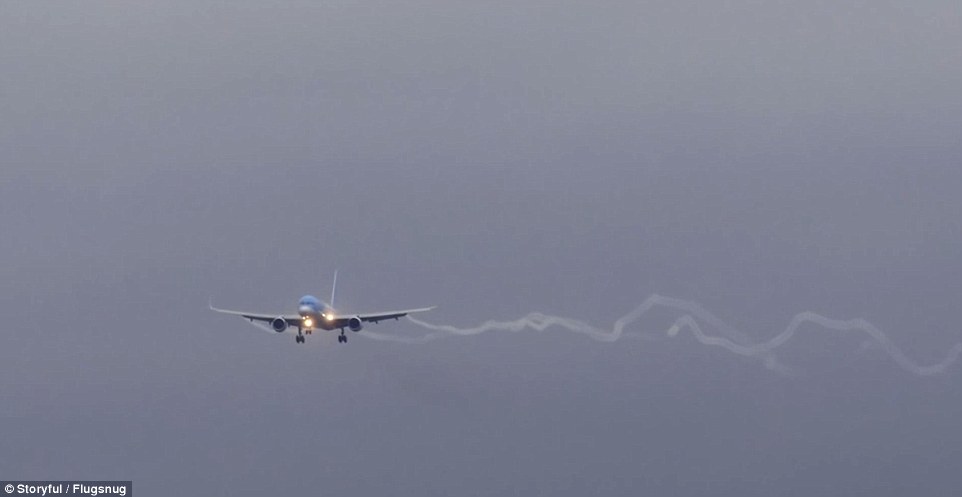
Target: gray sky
(494, 159)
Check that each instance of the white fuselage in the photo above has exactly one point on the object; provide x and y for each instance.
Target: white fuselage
(314, 313)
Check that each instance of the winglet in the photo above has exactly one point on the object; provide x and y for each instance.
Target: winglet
(210, 304)
(334, 288)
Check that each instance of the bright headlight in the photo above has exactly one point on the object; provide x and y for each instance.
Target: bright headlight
(308, 322)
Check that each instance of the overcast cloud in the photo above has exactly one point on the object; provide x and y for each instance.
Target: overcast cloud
(760, 159)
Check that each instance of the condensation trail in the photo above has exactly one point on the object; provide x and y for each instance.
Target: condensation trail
(693, 320)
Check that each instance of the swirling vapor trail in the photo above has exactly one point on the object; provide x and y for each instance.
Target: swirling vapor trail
(693, 320)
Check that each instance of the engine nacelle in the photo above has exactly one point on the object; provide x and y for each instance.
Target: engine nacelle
(355, 324)
(279, 324)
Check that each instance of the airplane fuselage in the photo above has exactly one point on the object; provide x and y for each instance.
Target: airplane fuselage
(314, 313)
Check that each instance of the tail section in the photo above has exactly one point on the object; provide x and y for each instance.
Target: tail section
(334, 288)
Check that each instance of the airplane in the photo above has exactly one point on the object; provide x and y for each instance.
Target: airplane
(313, 314)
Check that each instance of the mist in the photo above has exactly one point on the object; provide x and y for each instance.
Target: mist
(752, 160)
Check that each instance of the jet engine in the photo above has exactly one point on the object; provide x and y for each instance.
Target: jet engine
(355, 324)
(279, 324)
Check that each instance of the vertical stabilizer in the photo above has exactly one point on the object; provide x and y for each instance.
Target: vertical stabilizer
(334, 288)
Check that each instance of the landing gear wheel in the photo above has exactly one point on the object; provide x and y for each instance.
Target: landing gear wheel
(299, 339)
(342, 339)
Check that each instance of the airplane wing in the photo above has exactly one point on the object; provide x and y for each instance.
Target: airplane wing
(374, 317)
(292, 319)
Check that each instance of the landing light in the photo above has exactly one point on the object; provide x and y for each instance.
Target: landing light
(308, 322)
(329, 317)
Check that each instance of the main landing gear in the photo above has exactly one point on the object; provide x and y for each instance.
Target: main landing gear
(342, 338)
(299, 338)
